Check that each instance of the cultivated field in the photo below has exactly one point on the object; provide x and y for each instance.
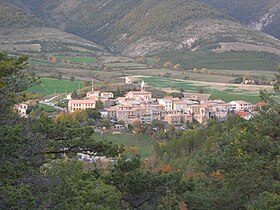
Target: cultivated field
(216, 82)
(226, 92)
(80, 60)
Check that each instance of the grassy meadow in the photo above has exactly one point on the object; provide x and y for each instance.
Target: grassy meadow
(144, 144)
(49, 86)
(46, 108)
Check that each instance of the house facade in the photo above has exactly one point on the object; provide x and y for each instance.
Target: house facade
(22, 109)
(107, 95)
(139, 95)
(74, 105)
(239, 106)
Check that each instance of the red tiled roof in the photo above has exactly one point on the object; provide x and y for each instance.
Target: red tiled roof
(261, 104)
(82, 101)
(242, 114)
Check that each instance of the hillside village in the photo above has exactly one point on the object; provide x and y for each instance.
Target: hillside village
(141, 106)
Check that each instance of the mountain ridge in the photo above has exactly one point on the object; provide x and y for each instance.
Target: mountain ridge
(151, 27)
(22, 32)
(264, 15)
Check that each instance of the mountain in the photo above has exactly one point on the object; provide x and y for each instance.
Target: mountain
(21, 31)
(264, 15)
(184, 31)
(11, 17)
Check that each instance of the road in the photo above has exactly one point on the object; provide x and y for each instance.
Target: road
(48, 102)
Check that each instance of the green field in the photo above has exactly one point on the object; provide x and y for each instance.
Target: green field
(161, 82)
(39, 62)
(46, 108)
(50, 86)
(227, 95)
(73, 60)
(145, 145)
(80, 60)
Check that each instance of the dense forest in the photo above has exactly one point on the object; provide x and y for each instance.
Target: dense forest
(231, 165)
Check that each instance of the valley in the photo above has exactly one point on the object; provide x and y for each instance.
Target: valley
(140, 104)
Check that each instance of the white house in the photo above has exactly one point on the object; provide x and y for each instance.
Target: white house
(93, 94)
(168, 103)
(184, 105)
(239, 106)
(129, 79)
(107, 95)
(22, 108)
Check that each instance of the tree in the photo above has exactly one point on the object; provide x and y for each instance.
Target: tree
(74, 95)
(87, 83)
(12, 82)
(168, 65)
(201, 90)
(77, 188)
(28, 146)
(141, 59)
(204, 71)
(118, 93)
(107, 69)
(177, 67)
(140, 187)
(276, 83)
(93, 113)
(265, 200)
(137, 128)
(99, 105)
(72, 78)
(106, 123)
(177, 95)
(195, 70)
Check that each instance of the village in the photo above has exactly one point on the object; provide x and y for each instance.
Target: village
(140, 106)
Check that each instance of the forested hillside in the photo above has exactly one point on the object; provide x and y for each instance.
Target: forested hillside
(22, 31)
(8, 19)
(262, 14)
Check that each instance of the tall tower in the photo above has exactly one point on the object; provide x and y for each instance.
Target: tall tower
(142, 86)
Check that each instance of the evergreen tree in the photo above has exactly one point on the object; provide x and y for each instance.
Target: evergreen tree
(74, 95)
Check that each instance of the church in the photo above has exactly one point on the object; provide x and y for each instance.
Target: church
(139, 95)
